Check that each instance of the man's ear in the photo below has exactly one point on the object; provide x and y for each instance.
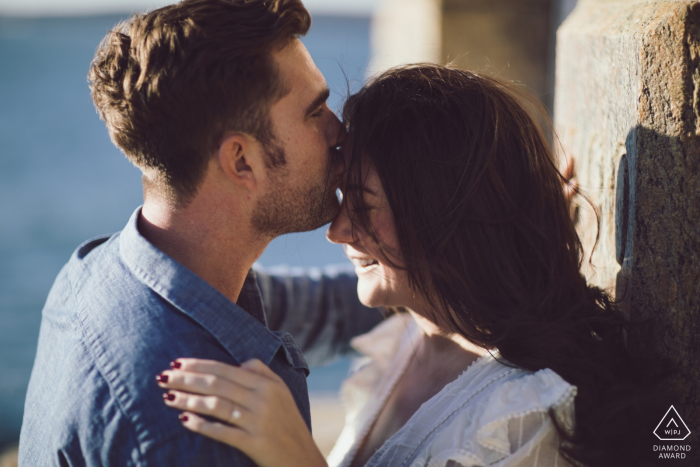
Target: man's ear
(240, 159)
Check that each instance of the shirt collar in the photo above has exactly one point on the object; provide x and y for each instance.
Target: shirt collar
(243, 333)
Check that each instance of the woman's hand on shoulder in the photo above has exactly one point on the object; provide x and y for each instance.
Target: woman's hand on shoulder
(257, 413)
(570, 182)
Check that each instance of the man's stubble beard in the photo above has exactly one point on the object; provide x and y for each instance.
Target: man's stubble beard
(286, 209)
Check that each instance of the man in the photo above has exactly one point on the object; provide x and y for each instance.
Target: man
(221, 107)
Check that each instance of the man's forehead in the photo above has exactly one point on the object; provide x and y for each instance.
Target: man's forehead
(300, 75)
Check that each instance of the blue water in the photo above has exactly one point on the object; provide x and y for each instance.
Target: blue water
(62, 181)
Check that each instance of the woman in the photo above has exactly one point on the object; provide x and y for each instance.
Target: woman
(501, 354)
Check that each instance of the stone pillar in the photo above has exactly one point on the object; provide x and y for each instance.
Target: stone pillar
(404, 31)
(512, 39)
(627, 107)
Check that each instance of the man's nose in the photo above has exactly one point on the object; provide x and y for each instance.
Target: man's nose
(335, 123)
(336, 132)
(337, 137)
(340, 230)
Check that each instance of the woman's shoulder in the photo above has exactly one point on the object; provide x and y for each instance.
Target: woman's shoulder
(502, 420)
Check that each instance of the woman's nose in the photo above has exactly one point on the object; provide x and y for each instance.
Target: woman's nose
(340, 230)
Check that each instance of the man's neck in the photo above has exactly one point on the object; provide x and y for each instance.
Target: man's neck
(206, 239)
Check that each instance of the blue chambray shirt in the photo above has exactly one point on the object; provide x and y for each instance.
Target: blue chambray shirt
(121, 310)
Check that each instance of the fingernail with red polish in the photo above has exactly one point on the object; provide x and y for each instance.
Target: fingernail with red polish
(183, 417)
(162, 378)
(169, 396)
(175, 364)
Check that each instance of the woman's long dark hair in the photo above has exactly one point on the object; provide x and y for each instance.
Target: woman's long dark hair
(487, 239)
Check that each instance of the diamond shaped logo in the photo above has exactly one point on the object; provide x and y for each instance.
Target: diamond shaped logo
(672, 427)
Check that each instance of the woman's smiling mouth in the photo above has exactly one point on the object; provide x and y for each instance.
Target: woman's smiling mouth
(364, 264)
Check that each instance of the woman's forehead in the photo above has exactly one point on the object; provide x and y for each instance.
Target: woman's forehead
(368, 181)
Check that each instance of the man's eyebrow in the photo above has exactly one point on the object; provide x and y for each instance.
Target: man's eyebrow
(320, 99)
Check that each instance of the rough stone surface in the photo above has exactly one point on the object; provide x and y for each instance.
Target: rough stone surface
(627, 107)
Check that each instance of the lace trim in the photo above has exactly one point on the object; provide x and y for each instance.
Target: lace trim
(493, 354)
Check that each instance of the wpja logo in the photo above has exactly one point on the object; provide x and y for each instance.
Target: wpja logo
(672, 428)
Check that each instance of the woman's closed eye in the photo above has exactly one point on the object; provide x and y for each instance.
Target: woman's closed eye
(362, 209)
(365, 207)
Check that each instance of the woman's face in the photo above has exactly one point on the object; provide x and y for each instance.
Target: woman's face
(379, 283)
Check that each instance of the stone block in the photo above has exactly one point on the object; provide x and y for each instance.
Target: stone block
(627, 107)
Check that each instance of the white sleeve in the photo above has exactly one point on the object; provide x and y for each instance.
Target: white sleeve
(534, 443)
(513, 430)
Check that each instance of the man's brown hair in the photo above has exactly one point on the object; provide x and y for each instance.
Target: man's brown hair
(170, 83)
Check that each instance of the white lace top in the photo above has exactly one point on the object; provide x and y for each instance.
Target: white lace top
(491, 415)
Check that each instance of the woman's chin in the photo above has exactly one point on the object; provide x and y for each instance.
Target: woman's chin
(370, 302)
(376, 291)
(369, 296)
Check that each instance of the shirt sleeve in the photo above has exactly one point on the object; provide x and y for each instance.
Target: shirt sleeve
(192, 449)
(94, 438)
(318, 307)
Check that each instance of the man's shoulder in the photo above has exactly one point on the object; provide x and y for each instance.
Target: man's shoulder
(96, 289)
(131, 334)
(129, 347)
(90, 263)
(95, 250)
(96, 263)
(103, 323)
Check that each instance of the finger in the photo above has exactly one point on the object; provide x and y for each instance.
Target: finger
(206, 384)
(239, 375)
(222, 409)
(231, 435)
(569, 167)
(571, 185)
(570, 190)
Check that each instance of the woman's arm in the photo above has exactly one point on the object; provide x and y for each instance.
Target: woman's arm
(256, 412)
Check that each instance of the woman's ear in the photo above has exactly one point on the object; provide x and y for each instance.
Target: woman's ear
(240, 159)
